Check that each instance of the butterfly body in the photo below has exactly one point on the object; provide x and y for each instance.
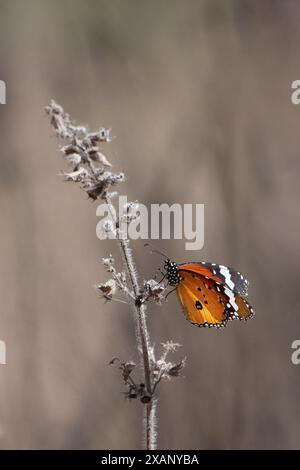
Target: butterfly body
(210, 294)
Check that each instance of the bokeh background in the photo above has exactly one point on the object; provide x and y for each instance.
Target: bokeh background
(198, 96)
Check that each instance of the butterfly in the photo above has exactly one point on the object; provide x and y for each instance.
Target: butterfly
(210, 294)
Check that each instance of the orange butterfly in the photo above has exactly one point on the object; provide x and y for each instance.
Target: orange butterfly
(210, 294)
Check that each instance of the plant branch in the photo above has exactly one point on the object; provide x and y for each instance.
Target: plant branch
(90, 170)
(141, 326)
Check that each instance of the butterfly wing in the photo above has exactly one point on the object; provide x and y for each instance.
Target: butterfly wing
(208, 302)
(204, 302)
(242, 309)
(234, 280)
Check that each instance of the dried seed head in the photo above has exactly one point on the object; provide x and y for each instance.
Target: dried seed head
(108, 229)
(102, 159)
(60, 120)
(128, 367)
(154, 290)
(130, 212)
(177, 369)
(112, 195)
(170, 346)
(103, 135)
(108, 263)
(108, 288)
(82, 150)
(78, 131)
(69, 149)
(113, 360)
(54, 108)
(74, 159)
(77, 176)
(121, 277)
(113, 178)
(97, 190)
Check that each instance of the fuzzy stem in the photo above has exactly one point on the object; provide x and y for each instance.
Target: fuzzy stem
(151, 433)
(141, 331)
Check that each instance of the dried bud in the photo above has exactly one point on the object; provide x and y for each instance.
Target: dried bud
(113, 360)
(108, 229)
(54, 108)
(78, 130)
(163, 370)
(128, 368)
(170, 346)
(76, 176)
(102, 159)
(107, 179)
(154, 290)
(60, 121)
(108, 288)
(112, 195)
(98, 157)
(92, 152)
(103, 135)
(69, 149)
(130, 211)
(74, 159)
(113, 178)
(108, 263)
(122, 278)
(97, 190)
(176, 369)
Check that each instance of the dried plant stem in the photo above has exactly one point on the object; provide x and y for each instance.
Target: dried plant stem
(90, 170)
(141, 331)
(150, 422)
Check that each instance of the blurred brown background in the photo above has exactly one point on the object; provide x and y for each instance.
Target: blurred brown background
(198, 95)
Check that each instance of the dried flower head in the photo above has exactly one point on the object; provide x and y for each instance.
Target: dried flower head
(154, 290)
(82, 153)
(107, 289)
(130, 212)
(164, 369)
(109, 263)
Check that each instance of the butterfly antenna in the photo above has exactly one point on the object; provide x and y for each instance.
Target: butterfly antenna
(156, 251)
(164, 276)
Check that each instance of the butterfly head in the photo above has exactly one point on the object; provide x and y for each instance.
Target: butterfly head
(172, 272)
